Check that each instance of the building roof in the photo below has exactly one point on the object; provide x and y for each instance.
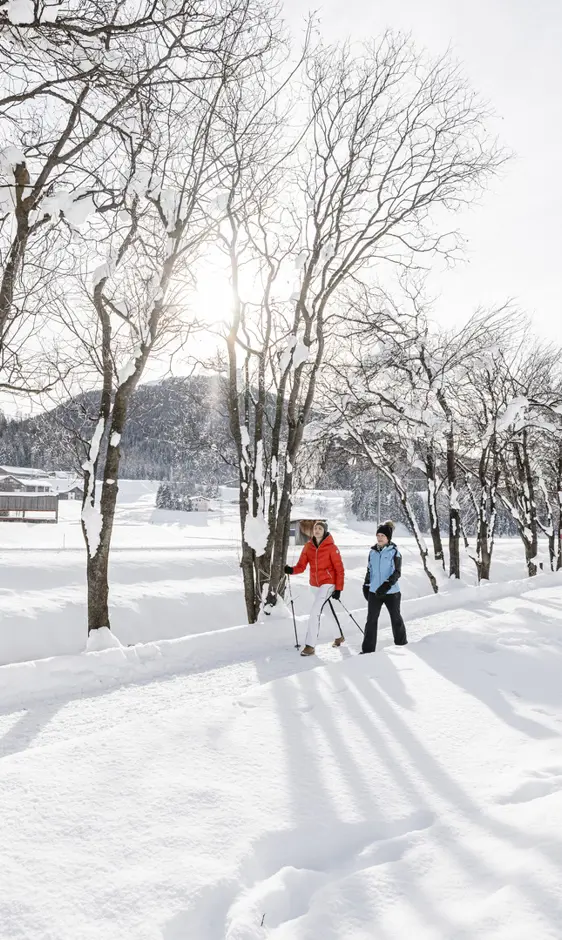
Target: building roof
(21, 472)
(55, 484)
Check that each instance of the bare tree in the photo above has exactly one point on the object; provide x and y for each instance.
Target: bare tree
(386, 138)
(150, 227)
(70, 80)
(530, 421)
(360, 410)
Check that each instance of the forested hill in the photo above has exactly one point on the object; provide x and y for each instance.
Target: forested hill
(176, 428)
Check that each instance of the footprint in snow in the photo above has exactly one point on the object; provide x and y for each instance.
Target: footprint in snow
(542, 783)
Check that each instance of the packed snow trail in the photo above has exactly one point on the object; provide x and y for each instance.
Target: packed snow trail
(206, 667)
(414, 791)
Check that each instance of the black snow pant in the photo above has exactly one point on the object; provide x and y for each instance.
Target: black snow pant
(392, 604)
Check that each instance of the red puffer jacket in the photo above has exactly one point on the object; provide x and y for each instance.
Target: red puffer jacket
(326, 566)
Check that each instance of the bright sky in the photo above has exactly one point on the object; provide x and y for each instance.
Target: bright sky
(511, 52)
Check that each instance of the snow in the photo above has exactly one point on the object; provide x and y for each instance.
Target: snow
(129, 369)
(10, 157)
(300, 354)
(285, 360)
(169, 200)
(207, 782)
(513, 412)
(20, 12)
(102, 639)
(328, 252)
(256, 531)
(301, 259)
(140, 182)
(76, 207)
(220, 202)
(91, 517)
(50, 12)
(103, 271)
(234, 791)
(115, 439)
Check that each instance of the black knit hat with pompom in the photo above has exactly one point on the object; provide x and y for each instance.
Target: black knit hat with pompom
(386, 528)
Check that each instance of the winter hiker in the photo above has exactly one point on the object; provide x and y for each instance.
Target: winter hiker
(326, 578)
(381, 587)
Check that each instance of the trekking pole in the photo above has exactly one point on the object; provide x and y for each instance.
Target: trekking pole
(297, 644)
(349, 614)
(339, 639)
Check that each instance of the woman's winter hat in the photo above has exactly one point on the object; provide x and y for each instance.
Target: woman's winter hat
(323, 524)
(386, 528)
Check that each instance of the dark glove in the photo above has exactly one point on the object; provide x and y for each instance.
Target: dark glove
(383, 589)
(288, 569)
(336, 595)
(366, 591)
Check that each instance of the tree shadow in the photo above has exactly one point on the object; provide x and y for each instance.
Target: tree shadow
(26, 728)
(431, 778)
(491, 686)
(336, 813)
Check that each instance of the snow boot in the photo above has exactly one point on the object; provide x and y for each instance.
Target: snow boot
(307, 651)
(338, 641)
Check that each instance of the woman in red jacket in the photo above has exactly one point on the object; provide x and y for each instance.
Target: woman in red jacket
(326, 578)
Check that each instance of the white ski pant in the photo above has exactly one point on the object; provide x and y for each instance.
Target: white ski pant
(321, 595)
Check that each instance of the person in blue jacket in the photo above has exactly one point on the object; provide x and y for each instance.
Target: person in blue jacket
(381, 587)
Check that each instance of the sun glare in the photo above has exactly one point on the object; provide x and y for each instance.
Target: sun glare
(213, 298)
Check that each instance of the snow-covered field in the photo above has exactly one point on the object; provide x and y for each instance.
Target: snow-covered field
(172, 574)
(219, 787)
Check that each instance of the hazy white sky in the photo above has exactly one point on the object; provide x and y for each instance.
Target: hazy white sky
(512, 54)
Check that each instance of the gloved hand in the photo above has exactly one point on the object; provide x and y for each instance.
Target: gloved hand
(336, 595)
(383, 589)
(366, 591)
(288, 569)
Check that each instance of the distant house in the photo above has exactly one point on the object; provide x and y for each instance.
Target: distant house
(31, 495)
(28, 479)
(199, 503)
(9, 484)
(22, 473)
(75, 492)
(301, 529)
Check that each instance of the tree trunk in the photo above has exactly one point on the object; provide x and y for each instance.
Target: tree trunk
(17, 250)
(529, 533)
(559, 490)
(434, 528)
(97, 566)
(454, 510)
(280, 544)
(487, 515)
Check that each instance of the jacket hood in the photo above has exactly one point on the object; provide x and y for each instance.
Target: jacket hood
(324, 538)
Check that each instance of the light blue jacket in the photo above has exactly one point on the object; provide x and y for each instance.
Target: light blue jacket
(385, 564)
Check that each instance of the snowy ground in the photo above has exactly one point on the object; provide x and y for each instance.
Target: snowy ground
(172, 574)
(417, 791)
(216, 786)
